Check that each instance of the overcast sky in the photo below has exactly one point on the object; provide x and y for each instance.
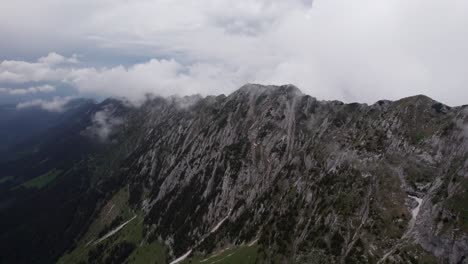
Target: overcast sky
(360, 50)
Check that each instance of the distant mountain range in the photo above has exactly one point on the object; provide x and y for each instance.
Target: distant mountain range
(264, 175)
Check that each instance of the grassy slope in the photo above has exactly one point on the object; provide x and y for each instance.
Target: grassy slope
(242, 254)
(42, 180)
(5, 179)
(132, 233)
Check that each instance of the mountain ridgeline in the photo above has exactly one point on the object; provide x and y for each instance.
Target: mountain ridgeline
(264, 175)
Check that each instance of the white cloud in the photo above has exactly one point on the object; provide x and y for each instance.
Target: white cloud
(31, 90)
(161, 77)
(57, 104)
(104, 123)
(362, 50)
(55, 58)
(53, 67)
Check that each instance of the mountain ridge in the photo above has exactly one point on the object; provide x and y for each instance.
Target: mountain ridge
(278, 176)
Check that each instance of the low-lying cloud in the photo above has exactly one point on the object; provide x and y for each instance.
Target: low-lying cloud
(57, 104)
(104, 124)
(50, 68)
(30, 90)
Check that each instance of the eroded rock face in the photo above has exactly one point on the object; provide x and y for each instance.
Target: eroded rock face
(311, 180)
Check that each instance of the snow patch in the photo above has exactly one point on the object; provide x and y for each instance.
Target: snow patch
(219, 260)
(181, 258)
(253, 242)
(215, 255)
(110, 210)
(415, 211)
(220, 222)
(214, 229)
(89, 243)
(114, 231)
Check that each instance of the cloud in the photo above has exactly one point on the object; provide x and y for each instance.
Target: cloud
(104, 123)
(57, 104)
(362, 50)
(55, 58)
(160, 77)
(53, 67)
(31, 90)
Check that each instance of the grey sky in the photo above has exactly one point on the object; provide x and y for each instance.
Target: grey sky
(361, 50)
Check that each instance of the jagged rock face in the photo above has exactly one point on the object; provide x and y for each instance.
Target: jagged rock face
(311, 180)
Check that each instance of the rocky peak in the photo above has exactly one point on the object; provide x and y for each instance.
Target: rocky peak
(271, 90)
